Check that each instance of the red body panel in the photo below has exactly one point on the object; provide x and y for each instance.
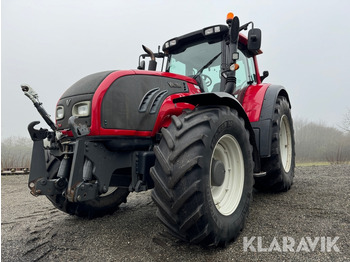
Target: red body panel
(253, 101)
(168, 108)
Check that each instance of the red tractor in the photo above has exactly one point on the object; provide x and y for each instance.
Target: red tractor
(202, 132)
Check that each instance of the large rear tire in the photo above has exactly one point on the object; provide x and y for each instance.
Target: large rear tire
(103, 205)
(280, 166)
(203, 176)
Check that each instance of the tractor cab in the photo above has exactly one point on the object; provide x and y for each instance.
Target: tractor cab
(207, 55)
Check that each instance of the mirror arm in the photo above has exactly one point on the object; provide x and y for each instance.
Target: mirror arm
(245, 26)
(141, 65)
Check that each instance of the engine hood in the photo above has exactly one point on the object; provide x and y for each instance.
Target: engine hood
(123, 100)
(86, 85)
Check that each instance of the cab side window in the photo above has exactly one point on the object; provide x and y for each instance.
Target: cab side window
(252, 73)
(242, 72)
(246, 73)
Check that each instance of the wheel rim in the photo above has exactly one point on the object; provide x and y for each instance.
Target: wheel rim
(227, 196)
(285, 143)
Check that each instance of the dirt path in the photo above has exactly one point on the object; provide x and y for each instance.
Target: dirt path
(315, 214)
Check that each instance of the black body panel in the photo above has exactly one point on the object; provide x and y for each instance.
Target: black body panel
(86, 85)
(132, 102)
(83, 90)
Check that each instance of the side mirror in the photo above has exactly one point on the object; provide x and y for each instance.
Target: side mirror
(254, 39)
(265, 74)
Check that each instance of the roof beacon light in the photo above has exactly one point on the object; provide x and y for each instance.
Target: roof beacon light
(229, 18)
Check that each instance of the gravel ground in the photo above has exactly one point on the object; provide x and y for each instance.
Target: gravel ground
(315, 214)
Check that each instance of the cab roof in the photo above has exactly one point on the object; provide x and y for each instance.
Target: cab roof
(211, 34)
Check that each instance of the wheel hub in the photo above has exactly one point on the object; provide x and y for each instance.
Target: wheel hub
(218, 173)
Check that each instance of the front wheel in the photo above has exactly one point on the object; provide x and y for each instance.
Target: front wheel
(203, 176)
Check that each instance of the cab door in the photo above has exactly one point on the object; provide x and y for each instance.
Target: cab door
(245, 75)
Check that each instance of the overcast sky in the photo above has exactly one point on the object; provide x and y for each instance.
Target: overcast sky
(51, 44)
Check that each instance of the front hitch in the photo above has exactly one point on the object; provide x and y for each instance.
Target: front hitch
(37, 134)
(39, 182)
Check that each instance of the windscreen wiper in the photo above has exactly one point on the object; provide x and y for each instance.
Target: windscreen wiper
(206, 65)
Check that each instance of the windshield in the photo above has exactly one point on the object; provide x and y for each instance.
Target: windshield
(195, 58)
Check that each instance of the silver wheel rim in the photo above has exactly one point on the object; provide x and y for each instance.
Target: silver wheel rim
(285, 143)
(227, 196)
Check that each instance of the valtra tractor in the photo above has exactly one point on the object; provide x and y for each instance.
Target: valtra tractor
(201, 132)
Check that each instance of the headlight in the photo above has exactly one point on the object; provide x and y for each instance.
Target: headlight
(211, 30)
(170, 43)
(81, 109)
(59, 112)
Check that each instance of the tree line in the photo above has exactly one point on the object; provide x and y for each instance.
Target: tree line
(16, 152)
(317, 142)
(314, 142)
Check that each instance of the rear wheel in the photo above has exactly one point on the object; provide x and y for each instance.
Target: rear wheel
(203, 176)
(103, 205)
(280, 166)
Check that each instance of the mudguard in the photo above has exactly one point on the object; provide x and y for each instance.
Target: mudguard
(225, 99)
(263, 127)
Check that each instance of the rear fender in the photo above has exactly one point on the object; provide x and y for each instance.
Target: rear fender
(225, 99)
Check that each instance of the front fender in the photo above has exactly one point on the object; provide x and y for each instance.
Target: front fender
(219, 98)
(272, 92)
(263, 127)
(225, 99)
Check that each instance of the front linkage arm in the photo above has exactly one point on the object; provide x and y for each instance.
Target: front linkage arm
(33, 96)
(39, 182)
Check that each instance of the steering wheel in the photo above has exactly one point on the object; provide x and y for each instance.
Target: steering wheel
(206, 80)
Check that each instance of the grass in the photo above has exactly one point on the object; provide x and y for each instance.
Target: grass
(325, 163)
(313, 164)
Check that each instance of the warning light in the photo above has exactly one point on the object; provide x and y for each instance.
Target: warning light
(229, 18)
(234, 67)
